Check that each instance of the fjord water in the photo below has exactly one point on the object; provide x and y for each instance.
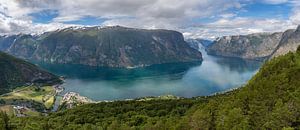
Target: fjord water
(214, 74)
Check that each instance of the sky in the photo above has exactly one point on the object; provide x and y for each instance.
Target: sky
(206, 19)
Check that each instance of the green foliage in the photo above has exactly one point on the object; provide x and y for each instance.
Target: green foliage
(115, 115)
(42, 96)
(4, 121)
(15, 73)
(270, 100)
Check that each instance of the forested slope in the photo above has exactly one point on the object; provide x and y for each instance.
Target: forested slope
(15, 72)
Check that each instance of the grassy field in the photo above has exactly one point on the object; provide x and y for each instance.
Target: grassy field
(7, 109)
(45, 95)
(30, 112)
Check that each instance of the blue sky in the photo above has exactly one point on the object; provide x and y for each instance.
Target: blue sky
(194, 18)
(263, 10)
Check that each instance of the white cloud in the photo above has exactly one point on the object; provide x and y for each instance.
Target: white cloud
(15, 18)
(275, 1)
(144, 14)
(9, 25)
(228, 15)
(169, 14)
(233, 25)
(237, 26)
(295, 17)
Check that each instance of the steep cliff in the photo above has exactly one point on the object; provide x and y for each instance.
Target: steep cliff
(256, 46)
(253, 46)
(289, 42)
(107, 46)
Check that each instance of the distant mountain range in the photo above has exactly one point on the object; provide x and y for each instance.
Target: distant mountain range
(102, 46)
(256, 46)
(15, 72)
(194, 43)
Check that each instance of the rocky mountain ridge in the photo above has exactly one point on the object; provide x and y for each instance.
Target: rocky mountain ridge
(102, 46)
(257, 46)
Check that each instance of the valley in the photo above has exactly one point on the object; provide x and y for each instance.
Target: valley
(178, 79)
(115, 84)
(240, 108)
(149, 65)
(156, 96)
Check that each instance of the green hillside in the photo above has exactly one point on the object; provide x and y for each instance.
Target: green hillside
(15, 73)
(270, 100)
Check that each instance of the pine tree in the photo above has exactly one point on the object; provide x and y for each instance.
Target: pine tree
(4, 121)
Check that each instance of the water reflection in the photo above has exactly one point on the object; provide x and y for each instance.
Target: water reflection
(103, 73)
(214, 74)
(185, 80)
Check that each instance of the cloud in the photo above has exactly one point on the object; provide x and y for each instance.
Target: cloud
(230, 24)
(295, 17)
(15, 17)
(9, 25)
(228, 15)
(143, 14)
(275, 1)
(169, 14)
(237, 26)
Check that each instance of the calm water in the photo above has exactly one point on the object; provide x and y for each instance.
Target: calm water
(181, 79)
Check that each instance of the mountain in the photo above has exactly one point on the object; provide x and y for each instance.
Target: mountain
(6, 42)
(102, 46)
(270, 100)
(16, 73)
(289, 42)
(256, 46)
(253, 46)
(23, 46)
(194, 43)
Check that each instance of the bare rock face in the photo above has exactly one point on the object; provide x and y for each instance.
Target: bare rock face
(108, 46)
(23, 46)
(289, 42)
(253, 46)
(256, 46)
(7, 41)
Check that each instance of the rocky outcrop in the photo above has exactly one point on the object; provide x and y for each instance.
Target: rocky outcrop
(15, 73)
(256, 46)
(108, 46)
(289, 42)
